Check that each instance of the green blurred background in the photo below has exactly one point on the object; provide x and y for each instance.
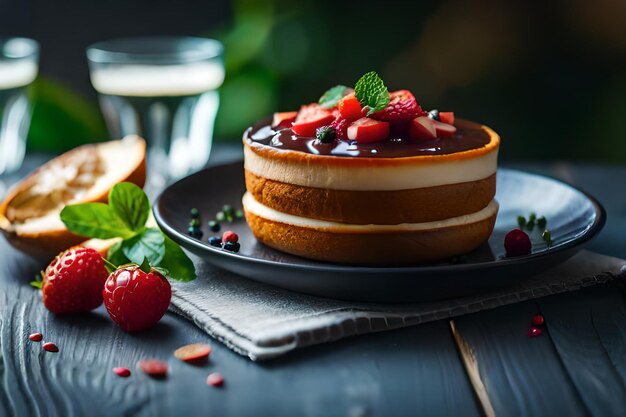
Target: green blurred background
(550, 77)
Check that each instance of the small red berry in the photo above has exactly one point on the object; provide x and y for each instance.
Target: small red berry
(340, 124)
(517, 243)
(534, 331)
(215, 379)
(36, 337)
(136, 300)
(123, 372)
(538, 320)
(73, 281)
(50, 347)
(153, 367)
(230, 236)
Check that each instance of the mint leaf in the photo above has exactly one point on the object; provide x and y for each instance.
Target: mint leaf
(95, 220)
(371, 92)
(131, 205)
(116, 256)
(332, 96)
(149, 244)
(176, 262)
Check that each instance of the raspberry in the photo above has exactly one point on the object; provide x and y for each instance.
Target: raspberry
(402, 108)
(341, 127)
(517, 243)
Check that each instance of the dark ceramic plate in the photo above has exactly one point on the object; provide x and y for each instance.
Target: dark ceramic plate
(573, 218)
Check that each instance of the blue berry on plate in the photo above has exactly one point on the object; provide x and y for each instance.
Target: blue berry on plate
(232, 246)
(214, 226)
(215, 241)
(194, 232)
(194, 213)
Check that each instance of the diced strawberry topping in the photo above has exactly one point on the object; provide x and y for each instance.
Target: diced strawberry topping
(350, 108)
(402, 108)
(444, 130)
(446, 117)
(284, 120)
(367, 130)
(309, 118)
(423, 128)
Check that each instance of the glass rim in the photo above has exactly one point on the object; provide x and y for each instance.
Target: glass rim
(140, 50)
(22, 47)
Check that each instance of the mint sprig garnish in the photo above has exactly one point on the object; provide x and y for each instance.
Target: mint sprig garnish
(371, 92)
(332, 96)
(125, 216)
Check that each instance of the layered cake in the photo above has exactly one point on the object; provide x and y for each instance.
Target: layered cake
(361, 180)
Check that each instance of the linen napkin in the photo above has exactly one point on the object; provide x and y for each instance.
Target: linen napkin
(263, 322)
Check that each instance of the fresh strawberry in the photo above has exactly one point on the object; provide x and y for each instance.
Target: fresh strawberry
(341, 126)
(283, 120)
(446, 117)
(311, 117)
(73, 281)
(349, 108)
(367, 130)
(444, 130)
(402, 107)
(136, 300)
(423, 127)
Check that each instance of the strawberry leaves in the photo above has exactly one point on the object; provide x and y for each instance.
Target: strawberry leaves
(125, 216)
(371, 92)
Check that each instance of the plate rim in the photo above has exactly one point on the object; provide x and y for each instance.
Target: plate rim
(591, 232)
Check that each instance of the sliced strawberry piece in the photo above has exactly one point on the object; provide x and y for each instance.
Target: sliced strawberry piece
(446, 117)
(284, 120)
(444, 130)
(349, 108)
(153, 368)
(423, 127)
(367, 130)
(402, 107)
(311, 117)
(194, 353)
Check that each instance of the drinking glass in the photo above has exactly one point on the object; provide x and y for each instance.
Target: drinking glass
(164, 89)
(19, 61)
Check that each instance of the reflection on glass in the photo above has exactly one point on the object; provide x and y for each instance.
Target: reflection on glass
(18, 68)
(164, 89)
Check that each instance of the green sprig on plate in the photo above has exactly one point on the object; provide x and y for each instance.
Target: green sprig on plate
(125, 216)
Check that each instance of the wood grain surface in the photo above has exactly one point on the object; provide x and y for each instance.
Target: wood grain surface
(576, 367)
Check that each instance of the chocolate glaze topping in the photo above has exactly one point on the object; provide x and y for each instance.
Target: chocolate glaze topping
(469, 135)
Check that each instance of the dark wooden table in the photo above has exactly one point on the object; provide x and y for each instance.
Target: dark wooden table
(576, 368)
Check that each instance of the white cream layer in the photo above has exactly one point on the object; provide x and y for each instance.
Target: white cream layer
(254, 207)
(379, 178)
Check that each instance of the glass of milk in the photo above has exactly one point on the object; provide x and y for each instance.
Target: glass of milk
(165, 90)
(19, 62)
